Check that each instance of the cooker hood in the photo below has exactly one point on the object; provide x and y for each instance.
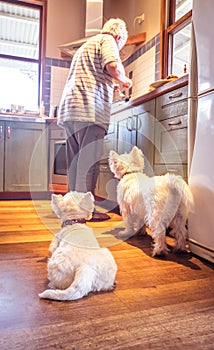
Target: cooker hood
(93, 26)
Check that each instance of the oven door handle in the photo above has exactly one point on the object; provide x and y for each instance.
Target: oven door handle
(60, 142)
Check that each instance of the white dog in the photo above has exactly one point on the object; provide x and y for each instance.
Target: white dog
(78, 265)
(157, 202)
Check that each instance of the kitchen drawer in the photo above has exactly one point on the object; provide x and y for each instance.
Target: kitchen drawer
(171, 141)
(146, 107)
(177, 169)
(172, 104)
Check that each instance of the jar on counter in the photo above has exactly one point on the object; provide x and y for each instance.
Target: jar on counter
(42, 109)
(53, 112)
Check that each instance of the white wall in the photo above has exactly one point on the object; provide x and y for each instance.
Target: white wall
(66, 19)
(129, 9)
(143, 68)
(65, 23)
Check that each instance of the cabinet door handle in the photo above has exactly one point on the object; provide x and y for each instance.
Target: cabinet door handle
(8, 132)
(129, 124)
(135, 125)
(171, 170)
(176, 94)
(1, 131)
(139, 123)
(175, 122)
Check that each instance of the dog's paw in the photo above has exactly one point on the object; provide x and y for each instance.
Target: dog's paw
(51, 285)
(179, 250)
(160, 251)
(124, 234)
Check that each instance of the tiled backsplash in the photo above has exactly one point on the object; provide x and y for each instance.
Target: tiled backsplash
(143, 69)
(58, 80)
(143, 65)
(56, 72)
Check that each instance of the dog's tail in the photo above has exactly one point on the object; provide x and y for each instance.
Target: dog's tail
(81, 286)
(183, 189)
(61, 294)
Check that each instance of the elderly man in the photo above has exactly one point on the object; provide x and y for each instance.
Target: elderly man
(84, 110)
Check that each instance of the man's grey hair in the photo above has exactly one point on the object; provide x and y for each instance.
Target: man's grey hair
(116, 27)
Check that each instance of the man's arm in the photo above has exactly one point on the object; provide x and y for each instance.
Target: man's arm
(117, 71)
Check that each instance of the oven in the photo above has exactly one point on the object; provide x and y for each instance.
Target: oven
(57, 158)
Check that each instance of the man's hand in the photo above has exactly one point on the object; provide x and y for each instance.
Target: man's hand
(117, 71)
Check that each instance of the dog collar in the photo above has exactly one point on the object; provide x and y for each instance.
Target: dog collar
(127, 174)
(131, 172)
(73, 221)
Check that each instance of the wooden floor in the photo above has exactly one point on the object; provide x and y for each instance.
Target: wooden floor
(163, 303)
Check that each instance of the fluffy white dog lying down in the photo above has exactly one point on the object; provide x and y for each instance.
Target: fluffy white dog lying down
(158, 202)
(77, 265)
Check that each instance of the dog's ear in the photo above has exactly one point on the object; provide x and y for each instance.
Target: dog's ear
(90, 195)
(55, 198)
(87, 202)
(112, 161)
(56, 203)
(113, 158)
(113, 155)
(136, 159)
(136, 152)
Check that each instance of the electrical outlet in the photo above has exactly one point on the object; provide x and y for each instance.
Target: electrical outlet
(141, 18)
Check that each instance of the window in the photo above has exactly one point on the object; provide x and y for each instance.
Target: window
(175, 36)
(21, 54)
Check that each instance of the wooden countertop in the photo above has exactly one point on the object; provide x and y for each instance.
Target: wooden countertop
(122, 105)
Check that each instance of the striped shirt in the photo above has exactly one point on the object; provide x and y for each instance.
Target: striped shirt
(88, 92)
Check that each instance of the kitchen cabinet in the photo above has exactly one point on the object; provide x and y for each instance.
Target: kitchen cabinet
(23, 147)
(156, 123)
(106, 183)
(126, 124)
(171, 133)
(132, 127)
(144, 115)
(135, 127)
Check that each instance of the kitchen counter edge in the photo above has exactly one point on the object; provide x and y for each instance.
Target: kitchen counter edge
(116, 106)
(122, 105)
(21, 118)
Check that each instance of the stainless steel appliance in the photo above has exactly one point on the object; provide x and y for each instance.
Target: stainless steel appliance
(201, 130)
(58, 163)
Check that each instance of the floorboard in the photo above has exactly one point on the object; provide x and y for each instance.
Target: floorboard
(158, 303)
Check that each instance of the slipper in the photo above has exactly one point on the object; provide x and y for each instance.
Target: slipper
(97, 216)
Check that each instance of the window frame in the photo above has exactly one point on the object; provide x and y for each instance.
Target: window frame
(42, 6)
(168, 27)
